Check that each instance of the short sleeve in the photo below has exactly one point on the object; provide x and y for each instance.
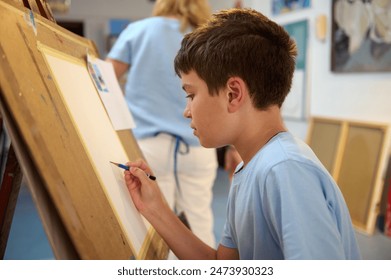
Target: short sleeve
(226, 239)
(298, 208)
(121, 49)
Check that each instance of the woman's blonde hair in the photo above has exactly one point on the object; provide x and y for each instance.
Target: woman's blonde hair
(191, 13)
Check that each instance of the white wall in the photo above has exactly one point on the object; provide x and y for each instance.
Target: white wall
(96, 14)
(361, 96)
(355, 96)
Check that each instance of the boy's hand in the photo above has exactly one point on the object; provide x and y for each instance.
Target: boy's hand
(144, 192)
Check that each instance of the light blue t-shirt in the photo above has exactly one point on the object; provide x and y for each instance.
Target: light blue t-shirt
(285, 205)
(153, 91)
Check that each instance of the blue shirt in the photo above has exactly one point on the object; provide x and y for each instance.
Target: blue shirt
(285, 205)
(153, 91)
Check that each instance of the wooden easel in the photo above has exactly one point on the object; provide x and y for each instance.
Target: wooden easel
(12, 174)
(59, 173)
(11, 178)
(10, 185)
(61, 244)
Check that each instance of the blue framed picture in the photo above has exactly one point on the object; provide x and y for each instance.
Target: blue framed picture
(294, 106)
(286, 6)
(116, 26)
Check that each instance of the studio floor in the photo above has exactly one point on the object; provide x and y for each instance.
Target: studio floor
(27, 240)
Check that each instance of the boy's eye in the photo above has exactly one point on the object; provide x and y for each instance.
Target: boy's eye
(190, 96)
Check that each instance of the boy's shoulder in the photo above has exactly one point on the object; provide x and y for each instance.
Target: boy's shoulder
(279, 147)
(283, 147)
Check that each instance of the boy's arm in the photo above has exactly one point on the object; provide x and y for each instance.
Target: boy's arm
(184, 244)
(178, 237)
(148, 200)
(225, 253)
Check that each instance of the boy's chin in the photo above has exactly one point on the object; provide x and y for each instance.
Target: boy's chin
(207, 144)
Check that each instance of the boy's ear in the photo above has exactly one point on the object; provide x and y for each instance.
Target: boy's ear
(236, 91)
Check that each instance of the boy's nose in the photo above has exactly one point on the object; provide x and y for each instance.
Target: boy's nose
(186, 113)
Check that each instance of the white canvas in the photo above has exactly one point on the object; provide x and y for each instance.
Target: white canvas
(100, 141)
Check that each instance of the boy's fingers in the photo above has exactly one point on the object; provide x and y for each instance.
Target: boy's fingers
(140, 174)
(139, 164)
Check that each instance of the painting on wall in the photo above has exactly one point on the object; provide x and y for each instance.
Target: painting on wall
(361, 36)
(285, 6)
(295, 102)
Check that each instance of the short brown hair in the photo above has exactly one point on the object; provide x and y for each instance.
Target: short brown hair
(243, 43)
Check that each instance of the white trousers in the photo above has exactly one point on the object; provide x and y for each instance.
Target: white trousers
(196, 171)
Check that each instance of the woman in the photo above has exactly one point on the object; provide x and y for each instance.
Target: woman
(185, 170)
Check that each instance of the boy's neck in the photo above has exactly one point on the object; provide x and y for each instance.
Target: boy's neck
(259, 132)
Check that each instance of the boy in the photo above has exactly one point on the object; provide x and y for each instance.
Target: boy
(236, 72)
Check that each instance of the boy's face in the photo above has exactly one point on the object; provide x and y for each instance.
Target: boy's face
(207, 113)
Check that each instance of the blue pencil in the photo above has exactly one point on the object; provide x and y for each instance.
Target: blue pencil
(123, 166)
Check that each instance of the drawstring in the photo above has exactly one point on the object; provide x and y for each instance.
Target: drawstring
(178, 141)
(177, 150)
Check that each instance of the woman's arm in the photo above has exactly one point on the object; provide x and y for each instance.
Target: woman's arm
(120, 68)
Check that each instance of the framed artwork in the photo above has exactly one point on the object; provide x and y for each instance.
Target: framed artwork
(285, 6)
(295, 102)
(361, 36)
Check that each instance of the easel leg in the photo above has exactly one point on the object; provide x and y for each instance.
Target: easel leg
(9, 191)
(387, 228)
